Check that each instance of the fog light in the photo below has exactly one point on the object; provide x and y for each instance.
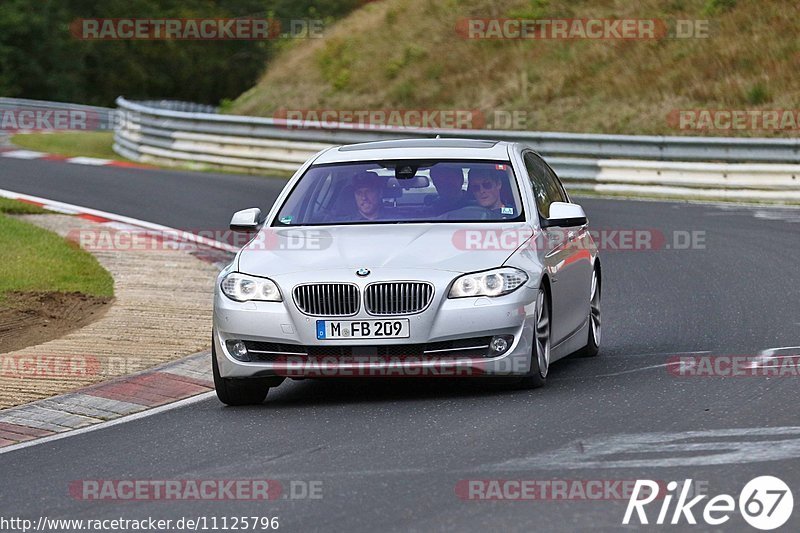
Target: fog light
(238, 350)
(500, 344)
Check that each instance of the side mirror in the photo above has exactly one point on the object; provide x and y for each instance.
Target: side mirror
(246, 220)
(563, 214)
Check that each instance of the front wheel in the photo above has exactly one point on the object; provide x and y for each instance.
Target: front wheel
(243, 391)
(592, 347)
(540, 355)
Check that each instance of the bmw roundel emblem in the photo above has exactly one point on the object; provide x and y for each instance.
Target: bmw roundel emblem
(362, 272)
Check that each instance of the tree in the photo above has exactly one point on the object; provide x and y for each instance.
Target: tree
(41, 59)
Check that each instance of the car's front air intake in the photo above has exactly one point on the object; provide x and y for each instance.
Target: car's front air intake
(397, 297)
(327, 299)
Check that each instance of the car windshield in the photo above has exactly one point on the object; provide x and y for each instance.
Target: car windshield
(403, 191)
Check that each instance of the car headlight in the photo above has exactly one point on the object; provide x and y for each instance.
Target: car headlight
(243, 288)
(495, 282)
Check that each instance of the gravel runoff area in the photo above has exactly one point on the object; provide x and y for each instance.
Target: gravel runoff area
(161, 312)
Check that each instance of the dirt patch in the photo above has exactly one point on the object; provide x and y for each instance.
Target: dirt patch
(30, 318)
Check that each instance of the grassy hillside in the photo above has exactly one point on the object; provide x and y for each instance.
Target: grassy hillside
(406, 54)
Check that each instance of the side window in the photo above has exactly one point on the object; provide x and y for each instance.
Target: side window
(536, 174)
(545, 185)
(321, 197)
(558, 188)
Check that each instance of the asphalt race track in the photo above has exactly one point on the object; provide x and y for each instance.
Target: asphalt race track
(390, 455)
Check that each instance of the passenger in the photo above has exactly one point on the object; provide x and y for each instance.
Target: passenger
(486, 190)
(449, 183)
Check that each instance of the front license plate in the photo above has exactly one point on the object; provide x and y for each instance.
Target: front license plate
(362, 329)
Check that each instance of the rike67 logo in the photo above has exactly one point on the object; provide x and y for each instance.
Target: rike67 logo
(765, 503)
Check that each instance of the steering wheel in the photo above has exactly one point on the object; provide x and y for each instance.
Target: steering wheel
(469, 212)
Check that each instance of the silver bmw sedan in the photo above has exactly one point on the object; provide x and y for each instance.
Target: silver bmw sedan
(408, 258)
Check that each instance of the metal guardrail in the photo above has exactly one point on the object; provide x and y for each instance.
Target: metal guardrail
(187, 134)
(712, 167)
(660, 148)
(179, 105)
(102, 118)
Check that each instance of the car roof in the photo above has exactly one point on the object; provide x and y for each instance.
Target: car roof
(417, 149)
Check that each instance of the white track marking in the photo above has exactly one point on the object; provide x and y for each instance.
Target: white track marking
(679, 449)
(74, 209)
(786, 216)
(772, 351)
(772, 355)
(23, 154)
(93, 161)
(184, 235)
(612, 374)
(63, 210)
(102, 425)
(661, 354)
(632, 370)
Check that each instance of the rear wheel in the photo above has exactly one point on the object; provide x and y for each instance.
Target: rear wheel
(540, 355)
(242, 391)
(592, 347)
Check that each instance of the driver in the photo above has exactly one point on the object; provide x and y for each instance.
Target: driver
(368, 193)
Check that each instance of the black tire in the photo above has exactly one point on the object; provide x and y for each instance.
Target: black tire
(594, 336)
(242, 391)
(537, 376)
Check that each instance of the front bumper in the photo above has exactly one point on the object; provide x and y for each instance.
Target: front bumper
(443, 320)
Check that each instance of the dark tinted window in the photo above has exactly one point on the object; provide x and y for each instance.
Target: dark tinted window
(555, 189)
(371, 193)
(545, 185)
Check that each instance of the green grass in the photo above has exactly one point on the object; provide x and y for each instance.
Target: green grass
(15, 207)
(37, 260)
(71, 144)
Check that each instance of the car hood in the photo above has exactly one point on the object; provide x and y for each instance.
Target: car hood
(277, 251)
